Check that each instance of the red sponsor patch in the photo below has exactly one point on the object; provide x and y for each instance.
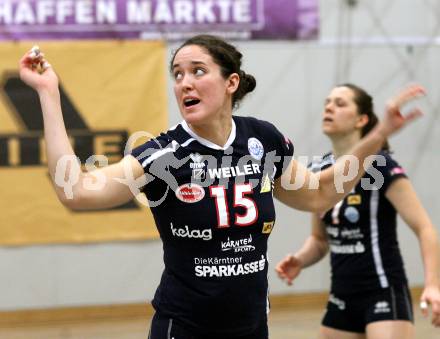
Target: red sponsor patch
(190, 193)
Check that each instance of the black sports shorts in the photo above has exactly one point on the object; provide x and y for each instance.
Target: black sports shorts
(164, 327)
(353, 312)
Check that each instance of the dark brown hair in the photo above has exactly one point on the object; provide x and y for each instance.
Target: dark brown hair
(227, 57)
(364, 103)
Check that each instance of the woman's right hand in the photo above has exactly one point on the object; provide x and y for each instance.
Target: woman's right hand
(289, 268)
(36, 72)
(393, 119)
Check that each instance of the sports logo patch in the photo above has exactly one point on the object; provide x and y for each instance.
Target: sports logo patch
(198, 166)
(190, 193)
(354, 199)
(198, 173)
(266, 184)
(267, 227)
(196, 157)
(255, 148)
(352, 214)
(382, 307)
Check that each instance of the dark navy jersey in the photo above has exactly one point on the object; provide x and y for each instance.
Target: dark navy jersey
(214, 210)
(362, 233)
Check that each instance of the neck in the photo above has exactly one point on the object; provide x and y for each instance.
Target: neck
(217, 131)
(342, 144)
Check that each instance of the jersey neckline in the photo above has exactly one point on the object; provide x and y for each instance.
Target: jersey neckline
(208, 143)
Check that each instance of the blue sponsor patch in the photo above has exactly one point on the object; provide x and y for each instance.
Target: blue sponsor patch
(352, 214)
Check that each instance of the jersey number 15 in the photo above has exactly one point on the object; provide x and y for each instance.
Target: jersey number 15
(240, 190)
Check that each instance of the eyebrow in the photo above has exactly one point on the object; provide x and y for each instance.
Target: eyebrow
(192, 63)
(328, 99)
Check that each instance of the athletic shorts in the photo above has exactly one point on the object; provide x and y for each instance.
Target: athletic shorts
(353, 312)
(164, 327)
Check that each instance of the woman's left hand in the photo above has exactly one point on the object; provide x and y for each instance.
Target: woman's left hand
(431, 297)
(393, 119)
(36, 72)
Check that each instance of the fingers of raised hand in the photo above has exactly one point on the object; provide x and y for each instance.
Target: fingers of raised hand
(413, 114)
(34, 52)
(406, 95)
(34, 59)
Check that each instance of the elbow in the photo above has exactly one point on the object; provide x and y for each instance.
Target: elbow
(73, 202)
(72, 205)
(325, 248)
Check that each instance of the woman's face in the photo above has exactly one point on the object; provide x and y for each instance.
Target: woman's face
(341, 116)
(202, 93)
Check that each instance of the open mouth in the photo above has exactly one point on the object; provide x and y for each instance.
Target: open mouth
(191, 102)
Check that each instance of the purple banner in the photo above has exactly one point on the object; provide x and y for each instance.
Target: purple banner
(157, 19)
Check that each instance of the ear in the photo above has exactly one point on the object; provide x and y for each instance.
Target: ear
(362, 121)
(232, 83)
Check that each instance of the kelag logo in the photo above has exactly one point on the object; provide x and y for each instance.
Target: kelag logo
(27, 147)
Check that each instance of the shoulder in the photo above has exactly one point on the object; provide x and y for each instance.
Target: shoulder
(384, 156)
(165, 143)
(255, 125)
(264, 131)
(385, 162)
(387, 168)
(154, 144)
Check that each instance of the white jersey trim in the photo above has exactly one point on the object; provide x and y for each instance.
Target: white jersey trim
(374, 204)
(186, 143)
(208, 143)
(158, 154)
(324, 161)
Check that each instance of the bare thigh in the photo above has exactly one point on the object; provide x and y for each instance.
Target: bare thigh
(331, 333)
(390, 329)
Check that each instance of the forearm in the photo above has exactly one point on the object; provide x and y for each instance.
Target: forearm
(429, 247)
(312, 251)
(56, 138)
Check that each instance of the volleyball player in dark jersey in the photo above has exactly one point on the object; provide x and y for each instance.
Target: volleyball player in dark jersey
(210, 183)
(369, 294)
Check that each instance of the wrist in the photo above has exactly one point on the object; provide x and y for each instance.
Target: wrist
(299, 259)
(47, 91)
(49, 94)
(432, 283)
